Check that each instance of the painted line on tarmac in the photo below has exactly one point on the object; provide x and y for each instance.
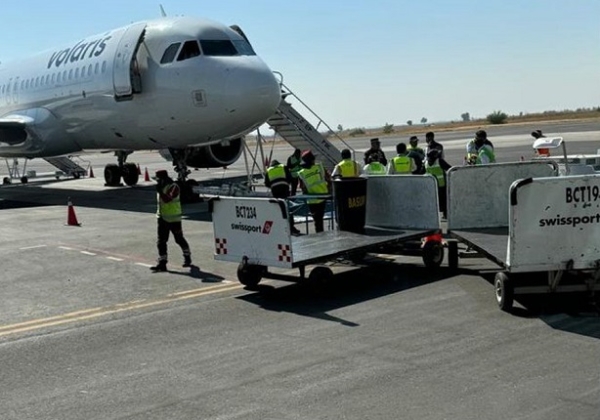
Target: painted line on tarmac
(88, 253)
(88, 314)
(115, 259)
(32, 247)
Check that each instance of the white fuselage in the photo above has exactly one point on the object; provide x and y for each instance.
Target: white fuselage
(122, 90)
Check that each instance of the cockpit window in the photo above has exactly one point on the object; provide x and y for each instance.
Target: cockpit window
(190, 49)
(218, 48)
(243, 47)
(170, 53)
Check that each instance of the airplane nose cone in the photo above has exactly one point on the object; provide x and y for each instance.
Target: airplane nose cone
(253, 95)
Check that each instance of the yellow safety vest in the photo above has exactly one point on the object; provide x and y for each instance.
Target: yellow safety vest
(314, 180)
(375, 168)
(276, 175)
(171, 211)
(437, 171)
(402, 164)
(347, 168)
(295, 166)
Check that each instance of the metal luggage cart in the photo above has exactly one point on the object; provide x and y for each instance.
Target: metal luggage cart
(541, 229)
(255, 232)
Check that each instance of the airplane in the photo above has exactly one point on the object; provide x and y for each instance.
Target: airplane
(191, 86)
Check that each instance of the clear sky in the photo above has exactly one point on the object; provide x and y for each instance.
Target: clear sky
(364, 63)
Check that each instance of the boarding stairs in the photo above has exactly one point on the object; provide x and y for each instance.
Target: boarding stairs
(301, 134)
(67, 166)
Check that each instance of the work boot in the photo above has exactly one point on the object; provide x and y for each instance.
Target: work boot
(161, 266)
(187, 261)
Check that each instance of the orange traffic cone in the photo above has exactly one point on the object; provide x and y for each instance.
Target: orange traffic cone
(146, 176)
(91, 173)
(71, 217)
(139, 170)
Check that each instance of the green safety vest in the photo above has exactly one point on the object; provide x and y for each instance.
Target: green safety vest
(437, 171)
(347, 168)
(295, 166)
(276, 175)
(171, 211)
(416, 149)
(314, 180)
(375, 168)
(402, 164)
(486, 151)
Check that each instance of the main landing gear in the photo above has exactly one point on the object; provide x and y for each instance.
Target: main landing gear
(181, 168)
(128, 171)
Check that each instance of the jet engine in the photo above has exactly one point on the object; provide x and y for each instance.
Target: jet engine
(216, 155)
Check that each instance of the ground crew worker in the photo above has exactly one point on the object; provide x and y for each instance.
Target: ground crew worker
(347, 168)
(417, 154)
(485, 152)
(438, 167)
(294, 164)
(402, 163)
(376, 150)
(315, 180)
(472, 149)
(432, 144)
(169, 220)
(278, 178)
(374, 167)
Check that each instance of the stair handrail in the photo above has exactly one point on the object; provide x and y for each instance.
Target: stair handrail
(287, 91)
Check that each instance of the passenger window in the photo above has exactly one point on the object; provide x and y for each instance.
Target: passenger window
(190, 49)
(218, 48)
(243, 47)
(104, 67)
(170, 53)
(96, 68)
(90, 69)
(71, 74)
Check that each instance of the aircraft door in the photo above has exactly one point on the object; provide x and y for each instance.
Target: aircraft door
(126, 75)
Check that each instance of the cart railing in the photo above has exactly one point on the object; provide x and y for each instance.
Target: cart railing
(478, 195)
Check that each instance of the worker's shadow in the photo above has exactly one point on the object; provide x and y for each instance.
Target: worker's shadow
(196, 273)
(344, 289)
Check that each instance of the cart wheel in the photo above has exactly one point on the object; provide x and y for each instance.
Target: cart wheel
(504, 291)
(250, 274)
(320, 276)
(453, 255)
(433, 254)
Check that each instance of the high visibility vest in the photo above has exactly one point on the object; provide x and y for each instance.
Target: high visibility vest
(276, 175)
(416, 149)
(347, 168)
(314, 180)
(295, 166)
(437, 171)
(486, 150)
(171, 211)
(402, 164)
(375, 168)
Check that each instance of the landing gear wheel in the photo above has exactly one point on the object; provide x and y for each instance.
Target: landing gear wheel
(112, 175)
(6, 181)
(320, 276)
(130, 174)
(187, 191)
(24, 180)
(504, 291)
(433, 254)
(249, 274)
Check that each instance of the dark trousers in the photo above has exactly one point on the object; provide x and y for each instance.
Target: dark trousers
(164, 229)
(442, 199)
(317, 211)
(282, 191)
(294, 185)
